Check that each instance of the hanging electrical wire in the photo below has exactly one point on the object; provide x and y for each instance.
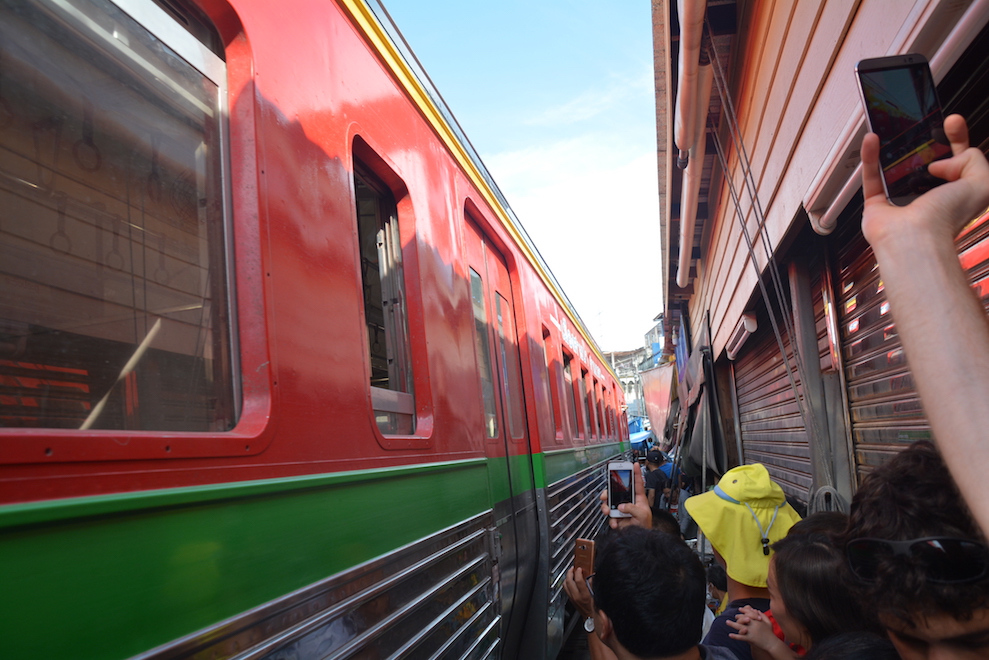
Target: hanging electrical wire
(825, 497)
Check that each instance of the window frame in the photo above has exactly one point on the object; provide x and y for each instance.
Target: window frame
(570, 383)
(243, 273)
(551, 363)
(583, 402)
(366, 157)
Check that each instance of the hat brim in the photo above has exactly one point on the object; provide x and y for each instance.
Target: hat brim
(735, 535)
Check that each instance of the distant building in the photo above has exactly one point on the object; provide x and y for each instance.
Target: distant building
(655, 340)
(626, 366)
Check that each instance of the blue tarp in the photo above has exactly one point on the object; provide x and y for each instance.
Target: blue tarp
(642, 440)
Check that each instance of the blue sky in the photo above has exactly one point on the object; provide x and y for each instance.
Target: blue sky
(557, 98)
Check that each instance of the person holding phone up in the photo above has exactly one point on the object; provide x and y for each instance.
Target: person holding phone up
(928, 292)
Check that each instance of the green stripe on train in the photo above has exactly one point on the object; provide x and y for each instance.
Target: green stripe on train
(115, 575)
(545, 469)
(109, 577)
(562, 463)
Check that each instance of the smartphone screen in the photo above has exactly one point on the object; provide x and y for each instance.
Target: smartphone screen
(620, 487)
(903, 110)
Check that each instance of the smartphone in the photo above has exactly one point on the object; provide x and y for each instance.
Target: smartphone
(583, 556)
(620, 486)
(902, 108)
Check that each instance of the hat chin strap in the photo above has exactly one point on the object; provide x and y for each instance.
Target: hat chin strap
(764, 535)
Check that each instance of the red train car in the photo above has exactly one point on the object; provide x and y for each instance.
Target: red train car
(281, 375)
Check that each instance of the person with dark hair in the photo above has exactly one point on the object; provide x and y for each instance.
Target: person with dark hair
(808, 598)
(717, 586)
(828, 523)
(657, 483)
(664, 521)
(918, 558)
(648, 598)
(858, 645)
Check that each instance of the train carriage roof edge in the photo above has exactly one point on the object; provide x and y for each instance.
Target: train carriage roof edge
(380, 30)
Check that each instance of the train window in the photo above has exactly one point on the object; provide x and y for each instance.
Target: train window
(511, 376)
(592, 408)
(483, 355)
(385, 307)
(551, 380)
(611, 412)
(583, 404)
(571, 387)
(612, 429)
(115, 312)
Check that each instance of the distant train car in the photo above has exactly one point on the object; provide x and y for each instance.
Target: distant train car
(281, 376)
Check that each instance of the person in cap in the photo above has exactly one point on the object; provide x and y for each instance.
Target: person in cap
(657, 483)
(918, 558)
(742, 517)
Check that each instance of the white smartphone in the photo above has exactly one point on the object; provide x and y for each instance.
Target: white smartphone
(621, 487)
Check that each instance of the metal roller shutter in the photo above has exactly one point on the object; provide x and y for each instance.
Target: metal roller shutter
(772, 429)
(884, 409)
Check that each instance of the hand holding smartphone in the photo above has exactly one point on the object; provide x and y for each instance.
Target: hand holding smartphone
(621, 487)
(902, 108)
(583, 556)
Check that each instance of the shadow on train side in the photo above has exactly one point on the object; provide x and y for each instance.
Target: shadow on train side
(324, 538)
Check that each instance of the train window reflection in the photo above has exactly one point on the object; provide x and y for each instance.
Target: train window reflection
(511, 376)
(593, 405)
(385, 308)
(570, 387)
(114, 312)
(484, 369)
(551, 379)
(585, 406)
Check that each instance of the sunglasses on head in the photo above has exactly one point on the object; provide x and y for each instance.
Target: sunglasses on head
(942, 559)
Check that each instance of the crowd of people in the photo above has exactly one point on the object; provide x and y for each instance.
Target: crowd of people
(905, 574)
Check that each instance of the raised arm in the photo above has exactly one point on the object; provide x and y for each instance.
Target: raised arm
(930, 296)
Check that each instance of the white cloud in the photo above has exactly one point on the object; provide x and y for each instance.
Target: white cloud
(590, 204)
(588, 105)
(595, 102)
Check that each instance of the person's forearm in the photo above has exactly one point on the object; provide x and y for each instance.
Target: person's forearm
(598, 649)
(780, 651)
(926, 287)
(760, 654)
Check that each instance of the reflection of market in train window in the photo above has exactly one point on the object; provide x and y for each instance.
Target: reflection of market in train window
(114, 309)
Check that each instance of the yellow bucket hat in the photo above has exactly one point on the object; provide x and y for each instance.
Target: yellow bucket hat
(744, 514)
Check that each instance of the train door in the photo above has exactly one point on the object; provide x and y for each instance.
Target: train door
(506, 435)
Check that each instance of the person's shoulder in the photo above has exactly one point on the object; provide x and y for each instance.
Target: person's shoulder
(761, 604)
(716, 653)
(655, 476)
